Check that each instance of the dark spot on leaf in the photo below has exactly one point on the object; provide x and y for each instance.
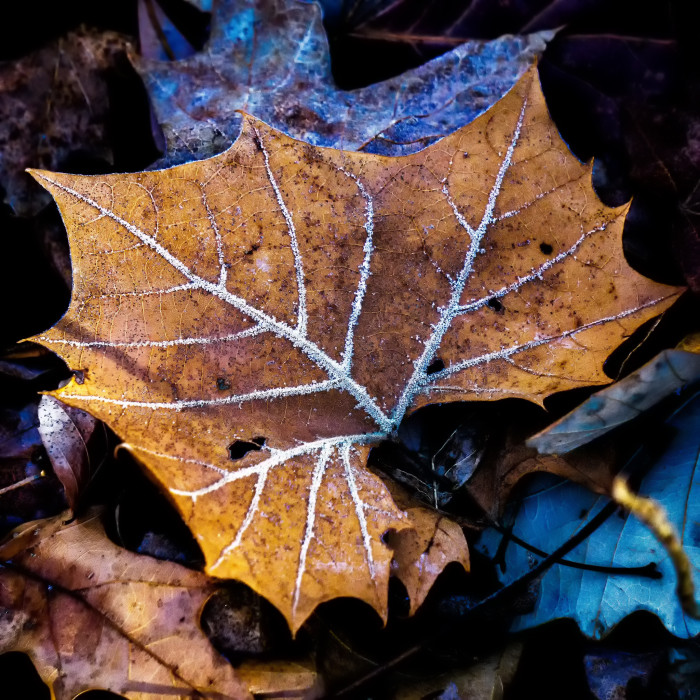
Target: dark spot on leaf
(437, 365)
(495, 304)
(252, 249)
(240, 448)
(546, 248)
(222, 384)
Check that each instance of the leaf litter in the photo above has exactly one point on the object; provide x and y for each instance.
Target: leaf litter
(246, 66)
(473, 480)
(91, 614)
(334, 316)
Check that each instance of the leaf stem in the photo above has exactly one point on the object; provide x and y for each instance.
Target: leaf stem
(23, 482)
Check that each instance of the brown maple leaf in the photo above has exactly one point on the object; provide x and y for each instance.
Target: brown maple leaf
(91, 614)
(303, 300)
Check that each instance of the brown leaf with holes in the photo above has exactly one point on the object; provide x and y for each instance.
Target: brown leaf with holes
(93, 615)
(288, 305)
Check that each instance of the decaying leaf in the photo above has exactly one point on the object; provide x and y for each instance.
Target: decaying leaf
(551, 513)
(421, 553)
(270, 58)
(485, 679)
(622, 402)
(274, 680)
(251, 324)
(493, 483)
(28, 490)
(48, 115)
(93, 615)
(65, 432)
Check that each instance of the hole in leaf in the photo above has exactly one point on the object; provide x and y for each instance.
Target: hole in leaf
(222, 384)
(240, 448)
(437, 365)
(495, 304)
(546, 248)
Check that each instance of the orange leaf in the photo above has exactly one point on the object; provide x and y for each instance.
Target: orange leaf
(93, 615)
(421, 554)
(303, 300)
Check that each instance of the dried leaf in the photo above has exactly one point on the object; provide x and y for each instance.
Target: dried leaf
(27, 488)
(253, 323)
(622, 402)
(485, 679)
(551, 513)
(65, 432)
(281, 679)
(159, 38)
(493, 483)
(93, 615)
(610, 672)
(421, 553)
(270, 58)
(47, 115)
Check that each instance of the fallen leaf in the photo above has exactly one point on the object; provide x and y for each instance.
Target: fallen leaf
(492, 484)
(610, 672)
(422, 551)
(93, 615)
(270, 58)
(281, 679)
(48, 115)
(65, 432)
(27, 488)
(159, 38)
(485, 679)
(549, 514)
(252, 324)
(619, 403)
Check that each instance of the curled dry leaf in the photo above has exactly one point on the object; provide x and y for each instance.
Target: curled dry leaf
(295, 303)
(622, 402)
(93, 615)
(65, 432)
(492, 484)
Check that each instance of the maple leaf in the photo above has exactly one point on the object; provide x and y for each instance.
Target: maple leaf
(92, 614)
(303, 301)
(270, 58)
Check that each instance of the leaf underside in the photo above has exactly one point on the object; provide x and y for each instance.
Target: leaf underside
(304, 297)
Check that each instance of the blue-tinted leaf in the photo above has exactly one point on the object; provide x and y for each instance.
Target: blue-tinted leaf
(552, 513)
(620, 402)
(270, 58)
